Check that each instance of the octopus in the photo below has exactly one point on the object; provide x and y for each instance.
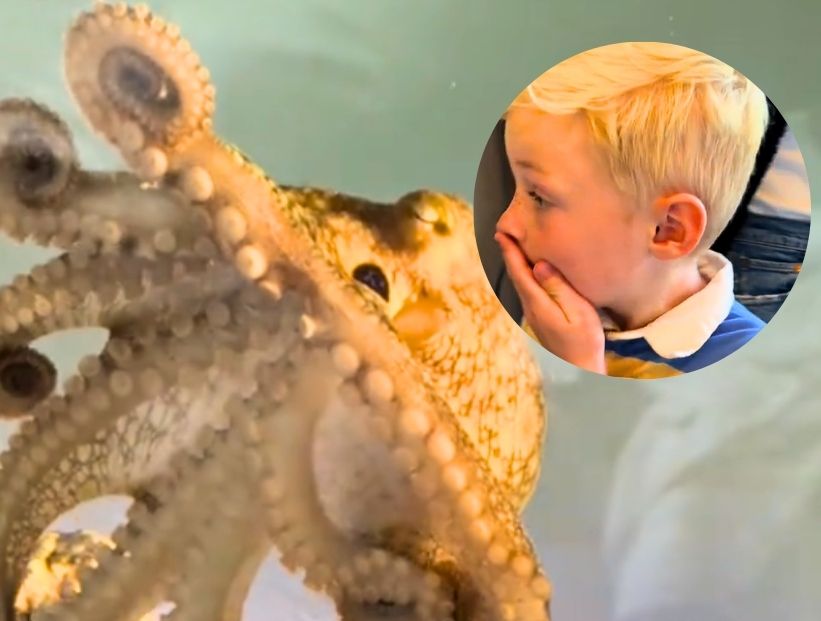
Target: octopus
(286, 369)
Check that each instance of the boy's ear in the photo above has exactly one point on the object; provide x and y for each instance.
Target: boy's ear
(680, 223)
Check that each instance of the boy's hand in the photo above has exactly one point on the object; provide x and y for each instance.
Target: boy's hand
(564, 322)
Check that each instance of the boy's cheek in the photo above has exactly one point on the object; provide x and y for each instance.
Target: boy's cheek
(585, 284)
(531, 258)
(575, 274)
(596, 296)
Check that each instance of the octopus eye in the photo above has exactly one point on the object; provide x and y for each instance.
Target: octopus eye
(37, 154)
(26, 378)
(372, 276)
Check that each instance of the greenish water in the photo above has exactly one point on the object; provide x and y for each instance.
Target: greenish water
(379, 97)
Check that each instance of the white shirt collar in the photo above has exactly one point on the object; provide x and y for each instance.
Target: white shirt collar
(684, 329)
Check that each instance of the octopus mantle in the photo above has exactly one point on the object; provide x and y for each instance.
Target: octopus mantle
(286, 368)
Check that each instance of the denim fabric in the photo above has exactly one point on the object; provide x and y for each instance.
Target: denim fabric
(767, 254)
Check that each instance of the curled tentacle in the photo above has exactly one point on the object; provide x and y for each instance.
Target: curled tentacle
(46, 196)
(37, 157)
(144, 384)
(156, 541)
(26, 378)
(62, 439)
(138, 82)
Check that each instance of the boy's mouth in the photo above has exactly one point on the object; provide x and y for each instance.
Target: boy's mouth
(530, 263)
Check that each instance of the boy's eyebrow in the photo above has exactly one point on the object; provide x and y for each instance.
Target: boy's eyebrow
(529, 165)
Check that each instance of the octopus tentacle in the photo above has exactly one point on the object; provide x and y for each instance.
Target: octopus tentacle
(296, 521)
(37, 153)
(138, 81)
(216, 591)
(300, 531)
(462, 512)
(82, 289)
(154, 542)
(45, 196)
(217, 570)
(61, 295)
(118, 382)
(97, 468)
(102, 464)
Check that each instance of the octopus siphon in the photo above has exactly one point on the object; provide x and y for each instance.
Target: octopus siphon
(286, 368)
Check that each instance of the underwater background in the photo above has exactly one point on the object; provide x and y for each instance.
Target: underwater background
(380, 97)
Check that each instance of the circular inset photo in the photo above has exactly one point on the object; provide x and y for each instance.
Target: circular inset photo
(642, 210)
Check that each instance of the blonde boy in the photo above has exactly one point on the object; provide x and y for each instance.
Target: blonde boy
(629, 160)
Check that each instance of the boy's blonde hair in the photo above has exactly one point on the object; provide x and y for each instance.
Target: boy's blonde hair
(670, 119)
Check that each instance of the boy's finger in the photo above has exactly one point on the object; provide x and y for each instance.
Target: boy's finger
(517, 268)
(574, 306)
(529, 291)
(559, 290)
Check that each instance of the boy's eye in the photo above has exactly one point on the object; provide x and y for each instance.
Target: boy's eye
(537, 199)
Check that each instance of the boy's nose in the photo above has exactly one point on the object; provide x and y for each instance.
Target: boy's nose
(510, 222)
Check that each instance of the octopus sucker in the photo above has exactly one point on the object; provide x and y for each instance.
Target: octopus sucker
(291, 368)
(37, 155)
(26, 378)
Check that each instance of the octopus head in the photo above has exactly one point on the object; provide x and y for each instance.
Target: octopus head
(415, 258)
